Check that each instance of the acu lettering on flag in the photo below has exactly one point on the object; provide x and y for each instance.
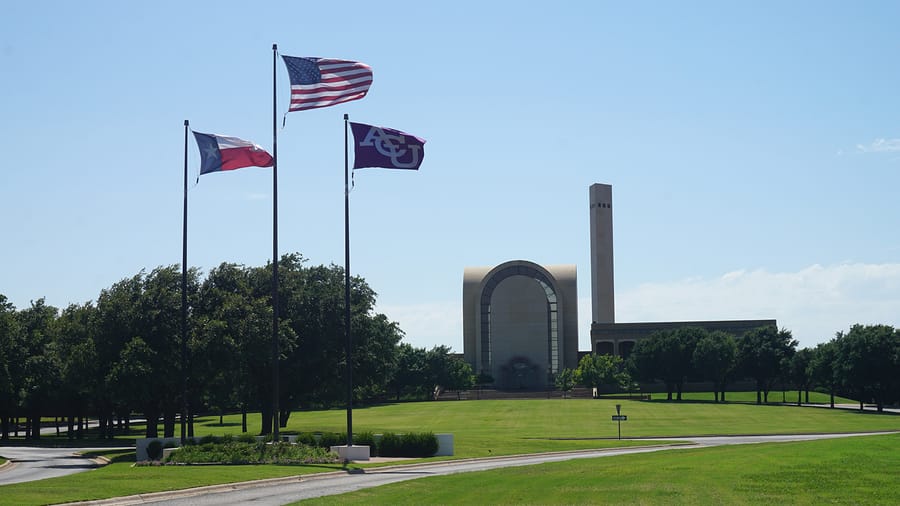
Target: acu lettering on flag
(375, 146)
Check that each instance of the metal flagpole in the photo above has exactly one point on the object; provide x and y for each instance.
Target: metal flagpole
(347, 289)
(184, 348)
(275, 351)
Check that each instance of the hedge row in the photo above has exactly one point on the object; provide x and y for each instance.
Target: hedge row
(389, 444)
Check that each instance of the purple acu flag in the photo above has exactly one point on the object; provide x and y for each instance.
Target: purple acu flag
(385, 147)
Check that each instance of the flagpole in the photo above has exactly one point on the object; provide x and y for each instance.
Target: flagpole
(347, 289)
(184, 372)
(275, 351)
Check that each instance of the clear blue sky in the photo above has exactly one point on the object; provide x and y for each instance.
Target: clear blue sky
(753, 149)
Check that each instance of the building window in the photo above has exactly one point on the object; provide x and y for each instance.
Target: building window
(552, 314)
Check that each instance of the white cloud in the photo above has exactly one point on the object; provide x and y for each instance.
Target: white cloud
(880, 146)
(813, 303)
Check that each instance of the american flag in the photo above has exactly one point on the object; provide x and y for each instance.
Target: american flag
(322, 82)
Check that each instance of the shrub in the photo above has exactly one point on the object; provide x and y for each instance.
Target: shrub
(154, 449)
(366, 439)
(422, 444)
(252, 453)
(245, 438)
(329, 439)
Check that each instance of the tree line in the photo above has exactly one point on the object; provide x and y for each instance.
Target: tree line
(121, 355)
(862, 364)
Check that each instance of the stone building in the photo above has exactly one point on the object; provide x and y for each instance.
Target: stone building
(520, 322)
(520, 319)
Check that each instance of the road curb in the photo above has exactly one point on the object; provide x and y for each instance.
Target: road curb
(226, 487)
(190, 492)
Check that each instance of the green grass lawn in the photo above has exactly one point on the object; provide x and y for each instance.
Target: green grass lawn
(121, 479)
(480, 428)
(533, 425)
(858, 470)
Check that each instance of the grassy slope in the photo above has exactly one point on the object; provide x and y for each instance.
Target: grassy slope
(523, 426)
(480, 428)
(859, 470)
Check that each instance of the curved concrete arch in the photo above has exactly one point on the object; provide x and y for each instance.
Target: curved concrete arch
(557, 286)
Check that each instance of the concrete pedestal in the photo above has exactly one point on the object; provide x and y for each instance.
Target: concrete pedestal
(352, 452)
(445, 445)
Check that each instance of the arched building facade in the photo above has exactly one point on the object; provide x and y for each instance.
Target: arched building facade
(520, 322)
(520, 319)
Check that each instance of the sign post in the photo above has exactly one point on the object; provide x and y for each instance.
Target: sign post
(618, 417)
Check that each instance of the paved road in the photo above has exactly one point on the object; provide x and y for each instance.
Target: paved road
(286, 490)
(32, 463)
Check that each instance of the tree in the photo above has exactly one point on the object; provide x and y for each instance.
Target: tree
(798, 372)
(225, 319)
(459, 375)
(11, 359)
(565, 381)
(868, 360)
(132, 380)
(39, 377)
(666, 355)
(118, 322)
(678, 354)
(77, 354)
(160, 329)
(762, 354)
(822, 367)
(409, 375)
(595, 370)
(375, 355)
(437, 369)
(643, 363)
(715, 358)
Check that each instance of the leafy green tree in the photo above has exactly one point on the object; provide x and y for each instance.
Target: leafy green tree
(118, 322)
(798, 372)
(868, 360)
(437, 370)
(40, 378)
(410, 375)
(131, 378)
(223, 319)
(422, 373)
(644, 361)
(160, 329)
(762, 355)
(459, 375)
(715, 358)
(822, 367)
(678, 354)
(565, 381)
(77, 354)
(595, 370)
(666, 355)
(12, 357)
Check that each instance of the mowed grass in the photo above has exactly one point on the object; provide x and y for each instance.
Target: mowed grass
(122, 479)
(503, 427)
(480, 428)
(855, 470)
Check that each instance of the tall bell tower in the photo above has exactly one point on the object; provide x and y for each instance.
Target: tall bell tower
(603, 302)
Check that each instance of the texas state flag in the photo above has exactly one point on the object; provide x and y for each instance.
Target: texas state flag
(218, 152)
